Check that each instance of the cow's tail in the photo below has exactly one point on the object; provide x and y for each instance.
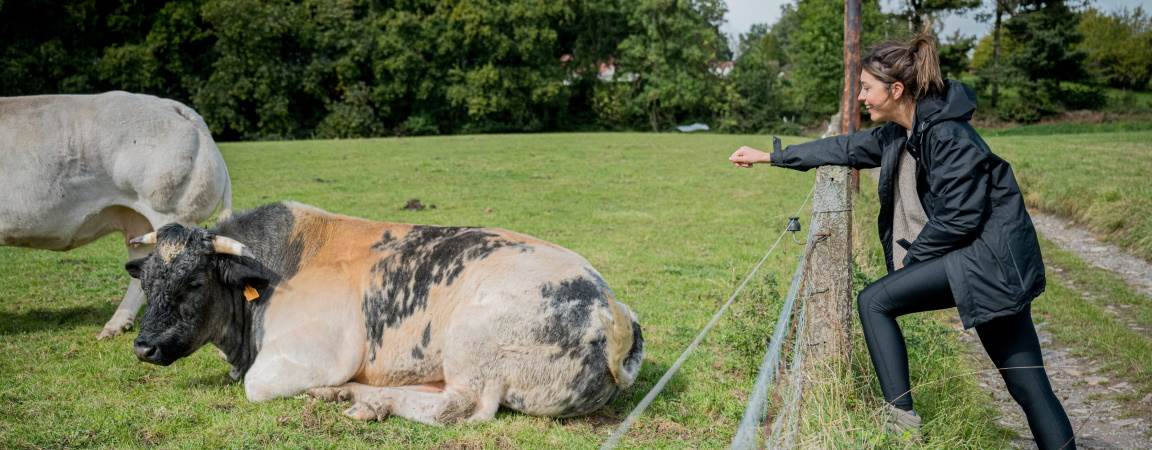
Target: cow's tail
(625, 345)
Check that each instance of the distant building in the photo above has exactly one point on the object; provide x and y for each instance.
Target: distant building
(608, 73)
(605, 71)
(721, 68)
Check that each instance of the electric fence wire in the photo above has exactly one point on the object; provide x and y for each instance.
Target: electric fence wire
(614, 439)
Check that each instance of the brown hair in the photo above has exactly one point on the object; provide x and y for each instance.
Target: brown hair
(914, 63)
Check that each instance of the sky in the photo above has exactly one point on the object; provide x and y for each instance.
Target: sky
(743, 13)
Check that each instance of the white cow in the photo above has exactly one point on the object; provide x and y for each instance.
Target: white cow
(76, 167)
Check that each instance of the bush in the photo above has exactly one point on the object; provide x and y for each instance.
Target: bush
(418, 125)
(1125, 101)
(352, 117)
(1035, 101)
(1080, 96)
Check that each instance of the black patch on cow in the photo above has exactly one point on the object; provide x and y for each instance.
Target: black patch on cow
(382, 244)
(636, 353)
(268, 231)
(568, 308)
(514, 401)
(593, 386)
(425, 257)
(425, 339)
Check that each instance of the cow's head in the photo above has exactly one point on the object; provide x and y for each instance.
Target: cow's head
(194, 281)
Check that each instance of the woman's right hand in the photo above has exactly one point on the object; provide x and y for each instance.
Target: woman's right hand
(747, 156)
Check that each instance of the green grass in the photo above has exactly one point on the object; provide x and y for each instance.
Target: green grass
(669, 223)
(1050, 129)
(1100, 181)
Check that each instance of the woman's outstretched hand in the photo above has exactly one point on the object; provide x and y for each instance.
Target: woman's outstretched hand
(747, 156)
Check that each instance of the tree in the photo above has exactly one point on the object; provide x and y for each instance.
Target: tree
(1118, 47)
(1048, 54)
(812, 36)
(954, 51)
(988, 60)
(1048, 36)
(669, 52)
(49, 47)
(918, 12)
(754, 101)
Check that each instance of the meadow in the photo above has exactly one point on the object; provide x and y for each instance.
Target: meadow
(670, 224)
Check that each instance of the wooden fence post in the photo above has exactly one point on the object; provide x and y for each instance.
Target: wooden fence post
(849, 106)
(829, 277)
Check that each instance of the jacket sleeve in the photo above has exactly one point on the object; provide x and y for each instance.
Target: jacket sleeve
(861, 150)
(958, 181)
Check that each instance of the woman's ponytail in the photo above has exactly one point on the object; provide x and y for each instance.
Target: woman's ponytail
(914, 63)
(927, 65)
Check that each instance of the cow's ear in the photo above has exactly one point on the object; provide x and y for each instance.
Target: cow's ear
(242, 271)
(134, 267)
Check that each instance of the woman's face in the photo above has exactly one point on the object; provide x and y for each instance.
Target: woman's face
(877, 97)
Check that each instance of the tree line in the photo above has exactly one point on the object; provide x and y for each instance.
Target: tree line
(260, 69)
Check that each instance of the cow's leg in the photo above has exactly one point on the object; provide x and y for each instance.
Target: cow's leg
(133, 225)
(424, 403)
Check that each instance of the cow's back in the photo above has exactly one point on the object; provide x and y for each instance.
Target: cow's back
(68, 162)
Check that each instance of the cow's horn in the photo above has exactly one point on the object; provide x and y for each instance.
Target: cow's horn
(229, 246)
(147, 239)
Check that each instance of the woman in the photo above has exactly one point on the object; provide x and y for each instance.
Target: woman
(953, 226)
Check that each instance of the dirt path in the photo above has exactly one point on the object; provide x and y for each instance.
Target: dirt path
(1137, 272)
(1089, 397)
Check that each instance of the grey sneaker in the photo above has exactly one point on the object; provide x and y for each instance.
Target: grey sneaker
(901, 422)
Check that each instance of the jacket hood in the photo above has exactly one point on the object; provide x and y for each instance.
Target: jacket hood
(957, 103)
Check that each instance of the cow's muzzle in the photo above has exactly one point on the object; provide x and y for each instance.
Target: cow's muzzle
(149, 353)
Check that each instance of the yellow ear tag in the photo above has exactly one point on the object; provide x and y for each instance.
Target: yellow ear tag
(250, 293)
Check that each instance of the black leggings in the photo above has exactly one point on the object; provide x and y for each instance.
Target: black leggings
(1010, 341)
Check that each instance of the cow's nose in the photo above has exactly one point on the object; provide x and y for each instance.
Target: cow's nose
(144, 351)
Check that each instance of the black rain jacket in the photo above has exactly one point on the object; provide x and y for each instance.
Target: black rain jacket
(976, 215)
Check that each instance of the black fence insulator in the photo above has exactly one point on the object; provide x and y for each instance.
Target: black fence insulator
(793, 224)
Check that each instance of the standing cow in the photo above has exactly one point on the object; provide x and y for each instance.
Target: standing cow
(433, 324)
(74, 168)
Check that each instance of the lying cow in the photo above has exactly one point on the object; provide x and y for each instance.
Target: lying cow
(437, 325)
(74, 168)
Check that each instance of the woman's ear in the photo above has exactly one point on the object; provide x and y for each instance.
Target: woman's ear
(896, 89)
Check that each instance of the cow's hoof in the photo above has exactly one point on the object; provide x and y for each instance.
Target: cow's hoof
(110, 332)
(331, 394)
(116, 326)
(366, 412)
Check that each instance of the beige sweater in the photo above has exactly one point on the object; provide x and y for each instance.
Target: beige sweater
(908, 216)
